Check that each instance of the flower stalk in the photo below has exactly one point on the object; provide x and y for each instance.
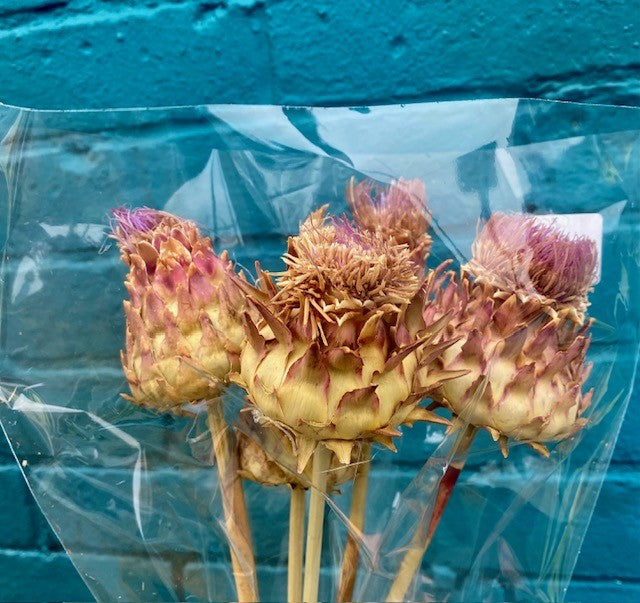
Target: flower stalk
(296, 542)
(234, 507)
(356, 518)
(427, 527)
(313, 552)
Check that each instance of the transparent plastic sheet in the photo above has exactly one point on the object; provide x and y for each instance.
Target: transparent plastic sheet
(133, 495)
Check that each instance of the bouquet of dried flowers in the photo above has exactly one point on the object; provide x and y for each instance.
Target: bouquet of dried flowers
(353, 339)
(241, 445)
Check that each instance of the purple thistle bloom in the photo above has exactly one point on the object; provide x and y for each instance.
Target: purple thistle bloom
(520, 254)
(127, 223)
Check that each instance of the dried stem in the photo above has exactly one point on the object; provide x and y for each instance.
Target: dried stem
(234, 507)
(321, 459)
(296, 541)
(356, 517)
(422, 538)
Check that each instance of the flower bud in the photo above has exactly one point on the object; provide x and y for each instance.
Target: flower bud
(183, 325)
(270, 459)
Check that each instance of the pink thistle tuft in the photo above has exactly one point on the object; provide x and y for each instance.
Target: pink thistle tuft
(520, 254)
(129, 223)
(144, 232)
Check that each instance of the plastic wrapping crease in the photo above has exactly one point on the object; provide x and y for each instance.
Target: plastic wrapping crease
(132, 494)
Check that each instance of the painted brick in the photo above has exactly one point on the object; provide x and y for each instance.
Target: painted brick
(19, 513)
(76, 170)
(107, 524)
(140, 578)
(25, 576)
(94, 398)
(42, 289)
(605, 590)
(133, 54)
(394, 53)
(227, 55)
(627, 450)
(6, 458)
(616, 514)
(28, 576)
(105, 520)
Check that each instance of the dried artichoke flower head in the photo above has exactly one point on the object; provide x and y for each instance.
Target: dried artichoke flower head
(334, 269)
(535, 260)
(523, 342)
(398, 212)
(183, 316)
(334, 356)
(270, 460)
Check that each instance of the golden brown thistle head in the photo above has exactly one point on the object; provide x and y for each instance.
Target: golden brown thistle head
(334, 270)
(333, 357)
(183, 316)
(397, 212)
(524, 369)
(518, 254)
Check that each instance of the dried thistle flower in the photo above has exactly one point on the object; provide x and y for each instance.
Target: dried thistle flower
(525, 370)
(334, 356)
(518, 254)
(334, 269)
(257, 461)
(183, 331)
(397, 212)
(518, 310)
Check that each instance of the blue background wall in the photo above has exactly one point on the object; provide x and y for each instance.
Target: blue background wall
(88, 53)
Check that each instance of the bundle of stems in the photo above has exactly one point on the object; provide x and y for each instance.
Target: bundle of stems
(364, 319)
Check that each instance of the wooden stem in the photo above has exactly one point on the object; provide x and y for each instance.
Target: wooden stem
(296, 541)
(234, 507)
(422, 538)
(321, 458)
(356, 517)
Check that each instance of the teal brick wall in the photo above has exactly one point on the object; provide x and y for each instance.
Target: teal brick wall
(91, 53)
